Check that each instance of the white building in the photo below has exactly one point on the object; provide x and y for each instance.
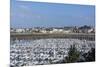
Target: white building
(57, 31)
(43, 31)
(20, 30)
(60, 31)
(90, 30)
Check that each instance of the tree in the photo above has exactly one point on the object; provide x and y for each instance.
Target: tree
(73, 55)
(90, 56)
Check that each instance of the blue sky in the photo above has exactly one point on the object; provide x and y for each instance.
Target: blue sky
(34, 14)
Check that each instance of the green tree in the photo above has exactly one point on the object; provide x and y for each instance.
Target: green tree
(90, 56)
(73, 55)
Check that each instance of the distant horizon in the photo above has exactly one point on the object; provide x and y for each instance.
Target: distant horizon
(39, 14)
(54, 26)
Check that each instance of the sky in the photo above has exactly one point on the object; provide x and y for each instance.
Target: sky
(39, 14)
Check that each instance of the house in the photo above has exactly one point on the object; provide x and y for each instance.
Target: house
(20, 30)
